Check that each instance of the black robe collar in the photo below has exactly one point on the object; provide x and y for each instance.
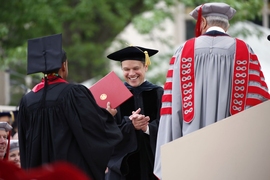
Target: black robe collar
(145, 86)
(215, 33)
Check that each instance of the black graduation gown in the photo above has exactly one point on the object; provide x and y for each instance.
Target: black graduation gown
(133, 157)
(70, 127)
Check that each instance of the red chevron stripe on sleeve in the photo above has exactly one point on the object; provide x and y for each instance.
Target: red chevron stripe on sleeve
(166, 110)
(167, 98)
(256, 78)
(170, 73)
(172, 60)
(168, 86)
(255, 67)
(259, 91)
(253, 56)
(261, 75)
(253, 102)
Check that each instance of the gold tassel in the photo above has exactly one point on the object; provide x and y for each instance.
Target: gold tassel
(147, 59)
(12, 117)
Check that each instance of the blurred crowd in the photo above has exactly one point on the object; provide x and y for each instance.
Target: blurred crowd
(9, 143)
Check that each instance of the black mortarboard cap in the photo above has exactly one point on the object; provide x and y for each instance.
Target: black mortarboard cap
(5, 114)
(10, 114)
(44, 54)
(133, 53)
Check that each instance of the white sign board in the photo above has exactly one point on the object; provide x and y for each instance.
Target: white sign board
(236, 148)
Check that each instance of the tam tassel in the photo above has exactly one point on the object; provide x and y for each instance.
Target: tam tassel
(147, 58)
(198, 23)
(12, 117)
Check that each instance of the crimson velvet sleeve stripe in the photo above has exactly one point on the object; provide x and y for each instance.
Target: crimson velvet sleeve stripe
(259, 91)
(169, 73)
(172, 60)
(168, 86)
(167, 96)
(256, 78)
(253, 101)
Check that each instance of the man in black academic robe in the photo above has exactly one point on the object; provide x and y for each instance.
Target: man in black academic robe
(58, 121)
(133, 157)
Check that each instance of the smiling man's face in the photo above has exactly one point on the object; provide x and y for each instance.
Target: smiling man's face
(134, 72)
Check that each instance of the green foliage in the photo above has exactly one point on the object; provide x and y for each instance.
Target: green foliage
(88, 28)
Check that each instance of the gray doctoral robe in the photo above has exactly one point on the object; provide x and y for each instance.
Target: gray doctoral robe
(213, 66)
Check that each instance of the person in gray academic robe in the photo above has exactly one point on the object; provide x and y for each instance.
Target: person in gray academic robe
(211, 77)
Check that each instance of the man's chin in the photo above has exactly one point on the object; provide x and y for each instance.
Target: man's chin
(134, 84)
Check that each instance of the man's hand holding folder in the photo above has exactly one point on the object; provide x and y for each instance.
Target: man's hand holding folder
(111, 89)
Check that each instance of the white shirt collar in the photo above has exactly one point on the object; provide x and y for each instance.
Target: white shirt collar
(215, 28)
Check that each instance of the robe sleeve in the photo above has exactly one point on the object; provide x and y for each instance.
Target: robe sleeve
(153, 126)
(94, 128)
(258, 91)
(169, 126)
(22, 133)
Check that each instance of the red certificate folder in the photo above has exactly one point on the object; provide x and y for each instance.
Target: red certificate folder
(111, 89)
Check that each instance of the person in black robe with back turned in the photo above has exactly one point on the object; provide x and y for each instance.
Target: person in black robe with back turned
(138, 118)
(58, 121)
